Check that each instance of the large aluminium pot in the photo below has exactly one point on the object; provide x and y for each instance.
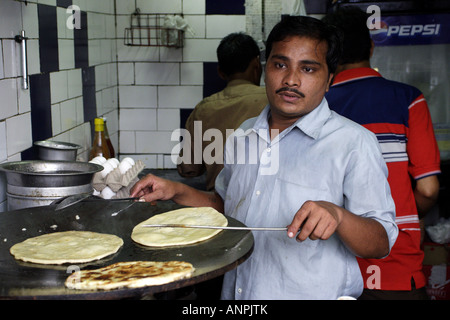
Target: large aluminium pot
(37, 183)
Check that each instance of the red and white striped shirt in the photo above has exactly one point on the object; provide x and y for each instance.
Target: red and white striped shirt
(398, 115)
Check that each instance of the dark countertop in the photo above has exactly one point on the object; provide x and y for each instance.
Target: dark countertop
(172, 174)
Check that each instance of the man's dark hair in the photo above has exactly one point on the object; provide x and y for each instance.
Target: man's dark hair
(303, 26)
(352, 23)
(235, 52)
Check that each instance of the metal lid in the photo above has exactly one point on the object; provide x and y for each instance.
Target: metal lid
(36, 173)
(57, 145)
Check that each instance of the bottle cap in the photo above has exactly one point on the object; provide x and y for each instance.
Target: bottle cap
(99, 124)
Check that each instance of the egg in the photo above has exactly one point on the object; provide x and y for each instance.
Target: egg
(124, 166)
(107, 193)
(114, 162)
(107, 168)
(98, 160)
(129, 160)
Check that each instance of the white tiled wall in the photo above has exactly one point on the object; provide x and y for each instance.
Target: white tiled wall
(67, 118)
(154, 83)
(66, 84)
(139, 89)
(15, 124)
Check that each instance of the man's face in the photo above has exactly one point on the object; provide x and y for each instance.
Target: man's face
(296, 78)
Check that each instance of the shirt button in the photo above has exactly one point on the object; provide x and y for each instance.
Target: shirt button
(268, 150)
(258, 193)
(239, 290)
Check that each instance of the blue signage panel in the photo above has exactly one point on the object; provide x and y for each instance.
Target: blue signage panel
(412, 30)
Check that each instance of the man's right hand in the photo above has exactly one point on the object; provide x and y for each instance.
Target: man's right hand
(153, 188)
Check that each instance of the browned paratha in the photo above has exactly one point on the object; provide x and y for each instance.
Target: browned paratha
(132, 274)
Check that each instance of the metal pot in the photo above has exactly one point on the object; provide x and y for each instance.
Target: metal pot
(37, 183)
(56, 150)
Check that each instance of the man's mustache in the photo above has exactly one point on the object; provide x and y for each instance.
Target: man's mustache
(290, 90)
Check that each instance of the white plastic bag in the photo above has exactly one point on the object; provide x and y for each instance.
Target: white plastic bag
(169, 34)
(440, 232)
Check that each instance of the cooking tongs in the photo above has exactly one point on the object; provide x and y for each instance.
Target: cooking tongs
(214, 227)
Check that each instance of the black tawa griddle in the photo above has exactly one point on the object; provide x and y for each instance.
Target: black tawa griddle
(21, 280)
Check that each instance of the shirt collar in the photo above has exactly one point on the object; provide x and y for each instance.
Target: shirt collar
(237, 82)
(310, 124)
(313, 122)
(354, 74)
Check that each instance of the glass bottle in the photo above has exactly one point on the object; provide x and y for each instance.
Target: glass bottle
(99, 145)
(112, 152)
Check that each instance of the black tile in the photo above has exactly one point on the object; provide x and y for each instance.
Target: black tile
(48, 38)
(40, 101)
(225, 7)
(41, 113)
(81, 43)
(30, 154)
(89, 96)
(64, 3)
(212, 83)
(184, 114)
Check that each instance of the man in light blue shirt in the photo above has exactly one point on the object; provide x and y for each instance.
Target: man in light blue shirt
(302, 165)
(279, 266)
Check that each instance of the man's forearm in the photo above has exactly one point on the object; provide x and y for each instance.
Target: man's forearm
(186, 195)
(426, 193)
(366, 237)
(152, 188)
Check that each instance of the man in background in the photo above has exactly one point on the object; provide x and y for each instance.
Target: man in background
(398, 114)
(239, 65)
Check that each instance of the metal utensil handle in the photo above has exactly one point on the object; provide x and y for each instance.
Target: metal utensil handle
(23, 42)
(76, 198)
(214, 227)
(96, 198)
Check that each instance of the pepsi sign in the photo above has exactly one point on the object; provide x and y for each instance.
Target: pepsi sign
(412, 30)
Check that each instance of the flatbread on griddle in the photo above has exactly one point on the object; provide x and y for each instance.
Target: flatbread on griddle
(164, 237)
(131, 274)
(67, 247)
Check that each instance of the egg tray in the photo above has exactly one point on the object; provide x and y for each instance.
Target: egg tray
(118, 182)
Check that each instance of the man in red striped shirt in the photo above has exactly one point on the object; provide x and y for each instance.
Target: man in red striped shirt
(398, 114)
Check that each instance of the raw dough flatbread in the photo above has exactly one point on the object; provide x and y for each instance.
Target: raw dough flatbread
(164, 237)
(131, 274)
(67, 247)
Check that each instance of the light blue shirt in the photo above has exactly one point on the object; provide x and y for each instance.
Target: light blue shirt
(323, 156)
